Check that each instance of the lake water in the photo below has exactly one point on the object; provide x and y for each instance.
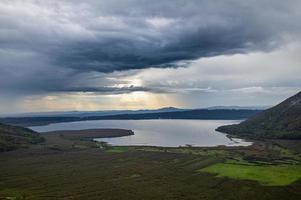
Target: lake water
(168, 133)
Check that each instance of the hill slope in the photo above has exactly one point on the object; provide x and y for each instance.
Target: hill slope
(186, 114)
(12, 137)
(282, 121)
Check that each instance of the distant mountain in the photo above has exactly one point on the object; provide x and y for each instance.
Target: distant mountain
(92, 113)
(281, 121)
(12, 137)
(238, 107)
(162, 114)
(186, 114)
(122, 112)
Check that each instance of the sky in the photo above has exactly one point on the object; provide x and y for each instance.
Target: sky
(58, 55)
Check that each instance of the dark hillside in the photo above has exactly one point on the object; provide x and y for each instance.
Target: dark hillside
(189, 114)
(12, 137)
(282, 121)
(219, 114)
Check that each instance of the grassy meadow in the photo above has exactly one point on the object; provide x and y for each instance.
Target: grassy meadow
(277, 175)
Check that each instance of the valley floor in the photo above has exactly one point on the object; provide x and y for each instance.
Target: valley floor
(70, 168)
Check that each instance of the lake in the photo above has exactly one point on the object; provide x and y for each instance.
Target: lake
(167, 133)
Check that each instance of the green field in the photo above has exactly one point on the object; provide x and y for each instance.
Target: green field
(276, 175)
(117, 149)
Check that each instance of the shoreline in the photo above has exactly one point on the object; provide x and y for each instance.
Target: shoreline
(90, 133)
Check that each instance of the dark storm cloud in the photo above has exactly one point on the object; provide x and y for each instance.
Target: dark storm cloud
(163, 33)
(50, 46)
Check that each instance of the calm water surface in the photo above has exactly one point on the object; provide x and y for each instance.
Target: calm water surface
(169, 133)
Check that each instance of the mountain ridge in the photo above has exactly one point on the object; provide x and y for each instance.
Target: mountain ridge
(185, 114)
(77, 113)
(282, 121)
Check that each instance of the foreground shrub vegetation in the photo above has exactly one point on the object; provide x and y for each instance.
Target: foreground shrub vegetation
(65, 167)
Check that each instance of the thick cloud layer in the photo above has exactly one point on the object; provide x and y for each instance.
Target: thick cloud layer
(111, 35)
(82, 46)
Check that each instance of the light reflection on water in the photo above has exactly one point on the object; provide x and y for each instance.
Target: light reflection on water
(171, 133)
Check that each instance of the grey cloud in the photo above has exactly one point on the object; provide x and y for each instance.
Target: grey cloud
(106, 36)
(200, 29)
(73, 46)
